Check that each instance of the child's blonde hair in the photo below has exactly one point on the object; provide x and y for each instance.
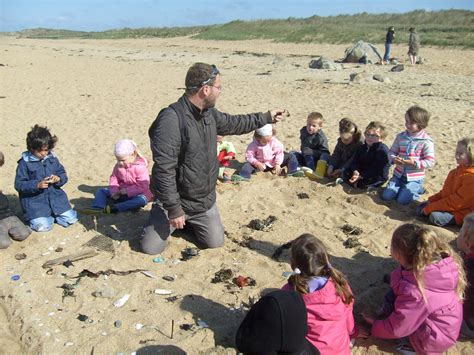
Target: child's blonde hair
(418, 115)
(468, 143)
(377, 125)
(420, 247)
(316, 116)
(310, 256)
(468, 229)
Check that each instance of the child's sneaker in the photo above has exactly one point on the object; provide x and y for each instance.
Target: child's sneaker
(238, 178)
(306, 169)
(297, 173)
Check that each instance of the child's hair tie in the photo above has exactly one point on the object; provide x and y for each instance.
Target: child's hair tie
(296, 271)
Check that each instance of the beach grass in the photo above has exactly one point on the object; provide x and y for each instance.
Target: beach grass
(438, 28)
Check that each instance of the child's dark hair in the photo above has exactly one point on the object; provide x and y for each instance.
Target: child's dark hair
(377, 125)
(2, 159)
(418, 115)
(346, 125)
(310, 256)
(420, 247)
(40, 137)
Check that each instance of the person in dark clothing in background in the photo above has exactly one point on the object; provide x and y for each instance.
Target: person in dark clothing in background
(388, 44)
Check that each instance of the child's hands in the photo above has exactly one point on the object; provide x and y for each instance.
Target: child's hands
(123, 191)
(260, 166)
(404, 162)
(277, 170)
(355, 177)
(54, 179)
(115, 195)
(43, 184)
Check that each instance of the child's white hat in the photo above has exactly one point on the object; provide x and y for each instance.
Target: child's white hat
(124, 147)
(266, 130)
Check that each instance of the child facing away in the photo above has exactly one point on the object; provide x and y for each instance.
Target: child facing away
(456, 199)
(370, 164)
(427, 290)
(412, 152)
(265, 153)
(347, 143)
(326, 293)
(10, 225)
(314, 144)
(39, 178)
(465, 242)
(129, 183)
(225, 153)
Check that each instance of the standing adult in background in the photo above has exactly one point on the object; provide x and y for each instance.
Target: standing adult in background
(388, 44)
(413, 45)
(184, 175)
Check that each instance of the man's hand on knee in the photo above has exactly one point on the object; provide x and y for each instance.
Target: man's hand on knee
(178, 222)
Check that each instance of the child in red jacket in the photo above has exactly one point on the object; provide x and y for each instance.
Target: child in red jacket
(456, 199)
(326, 293)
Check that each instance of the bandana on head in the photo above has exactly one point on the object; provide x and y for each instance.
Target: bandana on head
(124, 147)
(266, 130)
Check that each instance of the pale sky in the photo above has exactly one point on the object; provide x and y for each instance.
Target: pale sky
(94, 15)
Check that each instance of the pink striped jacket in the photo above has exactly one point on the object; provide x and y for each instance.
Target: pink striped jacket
(419, 147)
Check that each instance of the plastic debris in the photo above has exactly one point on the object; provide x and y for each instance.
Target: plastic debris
(158, 259)
(122, 300)
(243, 281)
(189, 253)
(105, 292)
(15, 277)
(202, 324)
(68, 343)
(138, 326)
(117, 323)
(160, 291)
(149, 274)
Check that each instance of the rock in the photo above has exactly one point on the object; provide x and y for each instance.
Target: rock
(324, 63)
(398, 68)
(381, 78)
(362, 77)
(106, 292)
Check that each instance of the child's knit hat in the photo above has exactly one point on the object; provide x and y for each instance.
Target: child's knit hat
(266, 130)
(124, 147)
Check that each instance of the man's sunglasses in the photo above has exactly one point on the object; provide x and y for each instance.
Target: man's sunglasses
(213, 75)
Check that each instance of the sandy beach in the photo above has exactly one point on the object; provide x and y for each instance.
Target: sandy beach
(91, 93)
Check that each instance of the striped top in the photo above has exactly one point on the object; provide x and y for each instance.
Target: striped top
(419, 147)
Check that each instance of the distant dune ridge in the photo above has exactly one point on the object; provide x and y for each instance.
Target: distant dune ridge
(91, 93)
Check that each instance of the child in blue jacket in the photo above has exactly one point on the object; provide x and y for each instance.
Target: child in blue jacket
(39, 178)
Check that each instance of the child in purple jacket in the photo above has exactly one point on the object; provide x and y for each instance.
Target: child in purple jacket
(427, 289)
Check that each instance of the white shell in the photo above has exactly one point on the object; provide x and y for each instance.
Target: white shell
(160, 291)
(122, 300)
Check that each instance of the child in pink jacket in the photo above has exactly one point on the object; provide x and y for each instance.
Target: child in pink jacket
(326, 293)
(265, 153)
(427, 290)
(129, 183)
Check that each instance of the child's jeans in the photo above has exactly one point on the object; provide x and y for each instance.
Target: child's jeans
(402, 190)
(12, 227)
(45, 224)
(438, 218)
(122, 204)
(310, 160)
(289, 160)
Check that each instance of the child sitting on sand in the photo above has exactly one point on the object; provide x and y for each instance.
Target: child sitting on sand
(465, 244)
(347, 143)
(370, 165)
(225, 153)
(412, 152)
(265, 153)
(39, 178)
(456, 199)
(326, 293)
(314, 144)
(427, 292)
(10, 225)
(129, 183)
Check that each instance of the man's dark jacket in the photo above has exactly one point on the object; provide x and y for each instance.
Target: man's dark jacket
(188, 184)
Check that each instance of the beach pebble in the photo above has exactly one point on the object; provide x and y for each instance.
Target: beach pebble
(160, 291)
(68, 343)
(202, 324)
(117, 323)
(138, 326)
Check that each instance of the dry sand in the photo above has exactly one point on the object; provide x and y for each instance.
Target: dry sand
(92, 93)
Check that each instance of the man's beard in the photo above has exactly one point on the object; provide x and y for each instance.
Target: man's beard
(209, 102)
